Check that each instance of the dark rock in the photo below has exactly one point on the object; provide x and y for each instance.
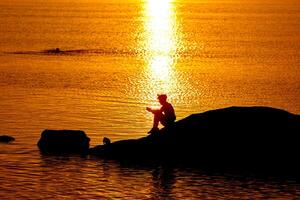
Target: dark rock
(106, 141)
(54, 51)
(63, 141)
(235, 137)
(6, 138)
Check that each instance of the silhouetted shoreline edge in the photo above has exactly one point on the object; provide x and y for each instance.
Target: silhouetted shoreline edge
(234, 137)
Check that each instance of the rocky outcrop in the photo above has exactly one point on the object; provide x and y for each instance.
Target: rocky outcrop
(6, 139)
(242, 137)
(63, 141)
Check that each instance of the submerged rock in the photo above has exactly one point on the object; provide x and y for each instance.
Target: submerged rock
(6, 138)
(63, 141)
(239, 137)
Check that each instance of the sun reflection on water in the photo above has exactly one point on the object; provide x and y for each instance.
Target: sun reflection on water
(161, 44)
(160, 26)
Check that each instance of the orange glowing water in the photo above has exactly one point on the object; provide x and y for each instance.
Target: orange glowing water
(115, 57)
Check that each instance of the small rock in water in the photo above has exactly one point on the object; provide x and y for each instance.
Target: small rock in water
(106, 141)
(6, 138)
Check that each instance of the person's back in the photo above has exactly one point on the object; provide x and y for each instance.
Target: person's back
(169, 112)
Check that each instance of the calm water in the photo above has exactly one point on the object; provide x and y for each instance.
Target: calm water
(116, 56)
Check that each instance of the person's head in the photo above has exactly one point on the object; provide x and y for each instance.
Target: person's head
(162, 98)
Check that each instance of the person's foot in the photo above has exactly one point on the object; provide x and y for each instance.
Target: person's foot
(153, 130)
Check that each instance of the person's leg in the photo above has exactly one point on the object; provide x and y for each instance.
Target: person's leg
(165, 121)
(157, 118)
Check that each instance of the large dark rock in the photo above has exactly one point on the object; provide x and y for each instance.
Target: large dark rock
(6, 138)
(235, 137)
(63, 141)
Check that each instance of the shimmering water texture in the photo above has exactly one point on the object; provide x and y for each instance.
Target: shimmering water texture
(114, 57)
(31, 176)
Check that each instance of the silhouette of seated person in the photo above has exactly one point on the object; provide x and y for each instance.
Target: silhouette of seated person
(165, 115)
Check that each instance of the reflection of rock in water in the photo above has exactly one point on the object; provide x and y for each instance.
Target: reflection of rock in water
(163, 178)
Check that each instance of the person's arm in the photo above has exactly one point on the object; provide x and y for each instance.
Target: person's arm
(153, 110)
(149, 109)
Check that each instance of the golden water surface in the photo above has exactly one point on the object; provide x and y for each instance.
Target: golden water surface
(116, 56)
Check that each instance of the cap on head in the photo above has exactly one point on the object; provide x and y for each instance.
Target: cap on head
(162, 97)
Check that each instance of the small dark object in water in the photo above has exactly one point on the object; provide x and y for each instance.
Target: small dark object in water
(6, 138)
(55, 51)
(106, 141)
